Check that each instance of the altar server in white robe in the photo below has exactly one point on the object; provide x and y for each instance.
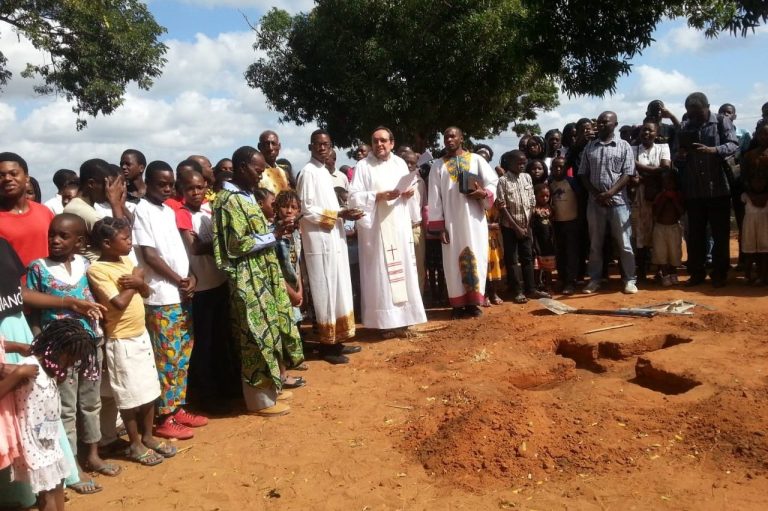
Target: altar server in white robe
(325, 253)
(381, 188)
(460, 218)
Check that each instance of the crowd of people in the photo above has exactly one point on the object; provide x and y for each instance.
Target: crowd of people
(140, 281)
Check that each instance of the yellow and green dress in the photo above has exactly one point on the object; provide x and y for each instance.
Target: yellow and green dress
(496, 268)
(261, 312)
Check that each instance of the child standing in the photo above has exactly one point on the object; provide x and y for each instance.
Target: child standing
(61, 274)
(63, 344)
(667, 232)
(287, 207)
(293, 353)
(168, 306)
(543, 237)
(289, 249)
(212, 371)
(651, 159)
(516, 200)
(118, 285)
(13, 376)
(754, 235)
(564, 201)
(13, 325)
(497, 270)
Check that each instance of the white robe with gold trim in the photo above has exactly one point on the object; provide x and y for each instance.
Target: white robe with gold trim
(324, 245)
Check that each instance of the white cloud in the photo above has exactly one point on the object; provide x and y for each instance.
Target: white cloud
(687, 40)
(201, 104)
(206, 64)
(653, 81)
(19, 51)
(7, 114)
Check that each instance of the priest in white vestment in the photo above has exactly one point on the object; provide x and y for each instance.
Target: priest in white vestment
(324, 247)
(460, 218)
(382, 188)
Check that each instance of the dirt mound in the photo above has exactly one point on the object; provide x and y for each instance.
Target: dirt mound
(730, 427)
(493, 443)
(730, 322)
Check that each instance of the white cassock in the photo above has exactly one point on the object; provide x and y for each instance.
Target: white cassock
(324, 246)
(465, 258)
(389, 280)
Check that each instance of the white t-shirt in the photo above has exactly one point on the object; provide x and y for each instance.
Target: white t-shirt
(54, 204)
(203, 266)
(155, 226)
(105, 209)
(652, 156)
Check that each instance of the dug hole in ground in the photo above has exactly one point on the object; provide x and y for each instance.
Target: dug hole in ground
(515, 410)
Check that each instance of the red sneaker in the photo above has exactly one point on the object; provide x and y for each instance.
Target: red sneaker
(170, 428)
(190, 420)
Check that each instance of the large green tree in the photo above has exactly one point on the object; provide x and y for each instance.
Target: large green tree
(95, 49)
(419, 66)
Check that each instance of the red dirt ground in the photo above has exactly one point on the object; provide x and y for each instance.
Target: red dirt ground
(670, 413)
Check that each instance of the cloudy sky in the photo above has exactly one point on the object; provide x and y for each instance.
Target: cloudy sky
(203, 105)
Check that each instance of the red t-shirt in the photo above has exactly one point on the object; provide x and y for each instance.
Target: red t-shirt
(175, 203)
(184, 219)
(28, 232)
(184, 215)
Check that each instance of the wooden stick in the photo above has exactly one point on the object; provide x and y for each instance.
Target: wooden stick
(614, 327)
(401, 407)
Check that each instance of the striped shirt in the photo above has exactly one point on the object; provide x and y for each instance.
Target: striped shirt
(515, 192)
(607, 162)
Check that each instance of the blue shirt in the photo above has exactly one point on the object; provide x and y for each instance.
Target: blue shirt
(605, 163)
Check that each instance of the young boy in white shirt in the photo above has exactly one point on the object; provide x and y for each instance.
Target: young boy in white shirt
(169, 321)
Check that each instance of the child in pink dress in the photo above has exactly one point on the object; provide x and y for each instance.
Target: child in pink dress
(10, 377)
(62, 344)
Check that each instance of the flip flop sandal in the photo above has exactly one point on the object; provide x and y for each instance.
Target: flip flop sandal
(300, 367)
(86, 487)
(497, 301)
(164, 449)
(298, 382)
(149, 459)
(107, 469)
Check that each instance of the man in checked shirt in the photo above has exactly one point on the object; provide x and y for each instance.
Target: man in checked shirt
(607, 164)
